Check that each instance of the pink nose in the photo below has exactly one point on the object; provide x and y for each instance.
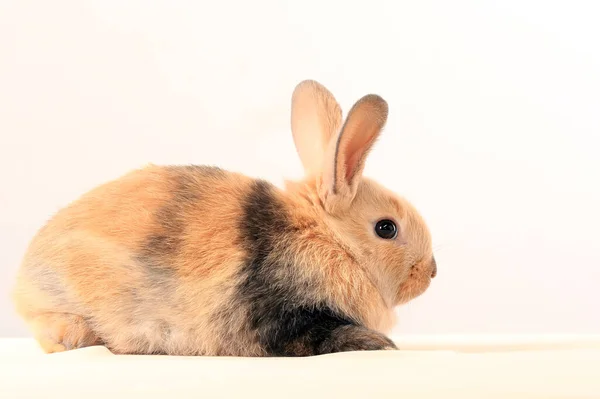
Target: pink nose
(433, 267)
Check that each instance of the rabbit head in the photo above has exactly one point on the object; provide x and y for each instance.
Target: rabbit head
(382, 230)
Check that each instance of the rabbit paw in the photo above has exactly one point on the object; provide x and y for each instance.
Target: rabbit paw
(355, 338)
(59, 332)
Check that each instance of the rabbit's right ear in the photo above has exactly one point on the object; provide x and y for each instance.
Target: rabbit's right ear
(316, 118)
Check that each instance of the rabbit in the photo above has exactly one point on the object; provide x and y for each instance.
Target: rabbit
(194, 260)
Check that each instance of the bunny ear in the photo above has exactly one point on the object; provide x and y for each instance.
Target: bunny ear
(347, 152)
(316, 118)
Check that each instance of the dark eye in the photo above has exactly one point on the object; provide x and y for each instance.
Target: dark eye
(386, 229)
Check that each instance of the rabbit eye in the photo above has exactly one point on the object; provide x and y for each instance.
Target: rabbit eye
(386, 229)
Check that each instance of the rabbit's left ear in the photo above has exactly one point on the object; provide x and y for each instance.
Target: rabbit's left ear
(316, 118)
(347, 152)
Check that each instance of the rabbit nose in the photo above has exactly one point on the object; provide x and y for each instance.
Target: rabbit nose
(433, 267)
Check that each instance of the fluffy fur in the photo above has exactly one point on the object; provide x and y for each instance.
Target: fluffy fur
(195, 260)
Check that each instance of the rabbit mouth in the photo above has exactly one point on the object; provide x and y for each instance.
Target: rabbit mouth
(416, 284)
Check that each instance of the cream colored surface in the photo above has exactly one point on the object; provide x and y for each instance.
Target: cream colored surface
(426, 367)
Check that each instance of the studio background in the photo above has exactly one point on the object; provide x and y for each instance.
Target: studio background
(493, 128)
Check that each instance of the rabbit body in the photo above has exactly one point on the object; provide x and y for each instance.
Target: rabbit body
(196, 260)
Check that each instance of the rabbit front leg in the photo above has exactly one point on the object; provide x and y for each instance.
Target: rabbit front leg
(323, 339)
(355, 338)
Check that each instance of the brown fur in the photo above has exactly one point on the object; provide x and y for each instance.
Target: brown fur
(153, 262)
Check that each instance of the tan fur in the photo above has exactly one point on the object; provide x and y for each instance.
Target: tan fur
(93, 256)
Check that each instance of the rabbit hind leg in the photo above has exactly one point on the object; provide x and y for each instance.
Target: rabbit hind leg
(59, 332)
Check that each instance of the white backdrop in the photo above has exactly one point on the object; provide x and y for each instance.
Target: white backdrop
(493, 132)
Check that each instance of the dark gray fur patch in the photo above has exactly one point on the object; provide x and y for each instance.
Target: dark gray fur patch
(159, 249)
(285, 324)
